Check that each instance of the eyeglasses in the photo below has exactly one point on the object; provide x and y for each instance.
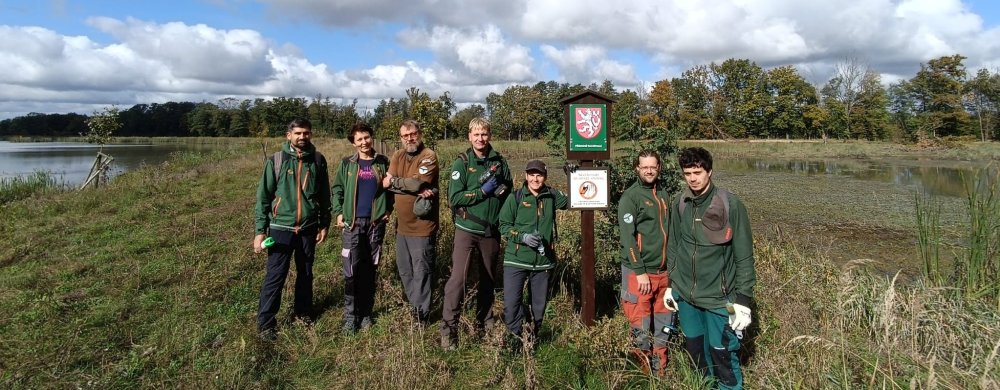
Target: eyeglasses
(413, 135)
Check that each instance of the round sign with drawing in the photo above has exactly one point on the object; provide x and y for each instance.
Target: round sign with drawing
(588, 189)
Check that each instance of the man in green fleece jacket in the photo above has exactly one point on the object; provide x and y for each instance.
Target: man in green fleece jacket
(293, 207)
(642, 218)
(476, 204)
(711, 264)
(362, 206)
(527, 221)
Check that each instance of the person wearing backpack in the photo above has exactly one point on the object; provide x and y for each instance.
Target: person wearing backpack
(528, 223)
(361, 206)
(293, 208)
(480, 179)
(711, 265)
(642, 223)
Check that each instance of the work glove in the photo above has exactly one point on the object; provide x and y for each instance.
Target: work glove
(531, 239)
(570, 168)
(668, 299)
(490, 185)
(739, 317)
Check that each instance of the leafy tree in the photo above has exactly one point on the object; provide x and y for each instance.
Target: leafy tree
(460, 121)
(937, 90)
(102, 126)
(742, 97)
(982, 98)
(792, 97)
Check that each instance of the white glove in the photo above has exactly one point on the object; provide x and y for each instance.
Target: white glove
(668, 299)
(739, 319)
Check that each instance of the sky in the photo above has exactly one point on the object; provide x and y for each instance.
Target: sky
(59, 56)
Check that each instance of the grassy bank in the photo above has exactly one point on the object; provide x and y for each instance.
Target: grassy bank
(810, 149)
(22, 187)
(150, 282)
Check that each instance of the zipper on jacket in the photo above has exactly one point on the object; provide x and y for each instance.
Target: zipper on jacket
(661, 215)
(298, 190)
(274, 211)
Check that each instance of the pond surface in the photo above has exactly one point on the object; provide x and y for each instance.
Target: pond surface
(931, 177)
(70, 162)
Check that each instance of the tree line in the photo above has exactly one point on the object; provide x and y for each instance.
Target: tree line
(733, 99)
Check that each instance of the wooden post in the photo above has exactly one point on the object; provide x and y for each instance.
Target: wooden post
(587, 261)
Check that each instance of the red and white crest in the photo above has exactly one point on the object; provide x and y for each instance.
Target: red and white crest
(588, 121)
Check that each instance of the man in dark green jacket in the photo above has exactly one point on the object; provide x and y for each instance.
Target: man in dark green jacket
(642, 222)
(361, 206)
(527, 221)
(480, 179)
(293, 207)
(712, 276)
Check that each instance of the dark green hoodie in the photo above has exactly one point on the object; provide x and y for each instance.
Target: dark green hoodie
(466, 194)
(705, 274)
(299, 198)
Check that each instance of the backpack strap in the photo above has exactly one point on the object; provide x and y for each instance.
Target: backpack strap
(724, 193)
(279, 157)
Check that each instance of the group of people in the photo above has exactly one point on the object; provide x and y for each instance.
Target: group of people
(689, 255)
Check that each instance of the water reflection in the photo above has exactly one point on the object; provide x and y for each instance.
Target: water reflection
(70, 162)
(947, 178)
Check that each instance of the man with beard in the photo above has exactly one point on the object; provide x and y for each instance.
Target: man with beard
(642, 216)
(413, 177)
(293, 208)
(478, 187)
(362, 207)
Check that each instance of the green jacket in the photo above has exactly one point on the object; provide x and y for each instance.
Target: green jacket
(473, 207)
(345, 189)
(642, 216)
(705, 274)
(528, 215)
(299, 198)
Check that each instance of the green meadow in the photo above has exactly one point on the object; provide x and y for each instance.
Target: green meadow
(150, 282)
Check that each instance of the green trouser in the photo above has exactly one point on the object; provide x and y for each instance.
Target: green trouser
(711, 343)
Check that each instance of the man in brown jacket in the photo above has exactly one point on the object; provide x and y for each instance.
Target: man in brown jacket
(413, 176)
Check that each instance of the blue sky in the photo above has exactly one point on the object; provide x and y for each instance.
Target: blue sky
(65, 55)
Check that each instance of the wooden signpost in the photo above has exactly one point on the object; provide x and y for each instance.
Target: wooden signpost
(587, 125)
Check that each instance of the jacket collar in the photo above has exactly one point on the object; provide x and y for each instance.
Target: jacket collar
(698, 200)
(307, 151)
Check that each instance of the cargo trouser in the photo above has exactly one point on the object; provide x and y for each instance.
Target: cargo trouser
(647, 317)
(361, 253)
(711, 343)
(415, 261)
(279, 257)
(454, 290)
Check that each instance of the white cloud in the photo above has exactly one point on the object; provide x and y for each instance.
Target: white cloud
(586, 64)
(474, 55)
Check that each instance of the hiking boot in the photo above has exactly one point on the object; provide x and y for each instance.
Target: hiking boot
(449, 341)
(268, 335)
(366, 323)
(350, 327)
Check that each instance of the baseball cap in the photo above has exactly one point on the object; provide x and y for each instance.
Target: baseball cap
(716, 222)
(536, 165)
(422, 206)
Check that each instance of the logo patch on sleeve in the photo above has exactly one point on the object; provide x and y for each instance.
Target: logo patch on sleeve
(627, 218)
(455, 175)
(423, 170)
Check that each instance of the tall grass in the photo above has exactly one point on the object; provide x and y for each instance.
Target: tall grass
(22, 187)
(153, 284)
(980, 273)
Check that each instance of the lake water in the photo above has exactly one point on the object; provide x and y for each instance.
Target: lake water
(931, 177)
(70, 162)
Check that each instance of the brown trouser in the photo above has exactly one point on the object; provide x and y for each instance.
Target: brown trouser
(454, 290)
